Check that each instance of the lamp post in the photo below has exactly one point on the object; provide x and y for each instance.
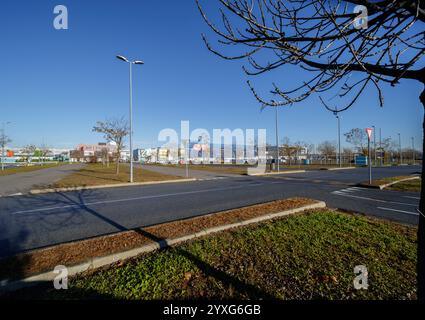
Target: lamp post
(131, 109)
(413, 150)
(399, 144)
(277, 141)
(339, 138)
(374, 145)
(380, 145)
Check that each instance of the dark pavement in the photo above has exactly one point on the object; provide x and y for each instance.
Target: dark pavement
(28, 222)
(25, 181)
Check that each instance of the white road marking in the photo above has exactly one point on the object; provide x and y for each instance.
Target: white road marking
(132, 199)
(348, 190)
(401, 211)
(372, 199)
(409, 197)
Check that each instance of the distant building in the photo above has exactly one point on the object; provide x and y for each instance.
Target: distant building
(93, 152)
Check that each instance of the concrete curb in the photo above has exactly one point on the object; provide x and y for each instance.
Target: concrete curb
(98, 262)
(383, 186)
(117, 185)
(333, 169)
(273, 173)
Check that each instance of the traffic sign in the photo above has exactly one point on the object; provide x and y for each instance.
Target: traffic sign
(369, 132)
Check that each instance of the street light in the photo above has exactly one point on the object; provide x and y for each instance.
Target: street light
(399, 143)
(413, 150)
(131, 109)
(339, 138)
(380, 146)
(374, 144)
(277, 141)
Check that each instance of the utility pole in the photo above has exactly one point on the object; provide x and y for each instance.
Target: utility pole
(413, 150)
(380, 145)
(339, 138)
(277, 141)
(131, 110)
(401, 153)
(374, 145)
(369, 132)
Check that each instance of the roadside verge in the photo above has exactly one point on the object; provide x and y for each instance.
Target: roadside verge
(80, 256)
(382, 184)
(115, 185)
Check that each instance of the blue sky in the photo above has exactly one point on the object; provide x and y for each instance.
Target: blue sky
(55, 84)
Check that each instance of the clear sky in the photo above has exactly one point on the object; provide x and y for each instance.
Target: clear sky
(55, 84)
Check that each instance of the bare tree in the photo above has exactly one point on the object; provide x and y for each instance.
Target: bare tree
(114, 130)
(287, 149)
(44, 151)
(345, 53)
(29, 150)
(348, 154)
(386, 147)
(327, 149)
(4, 140)
(299, 146)
(358, 138)
(104, 154)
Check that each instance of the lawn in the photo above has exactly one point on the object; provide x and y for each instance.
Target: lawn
(241, 169)
(410, 185)
(98, 174)
(30, 168)
(305, 256)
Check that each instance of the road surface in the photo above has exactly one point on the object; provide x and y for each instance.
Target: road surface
(25, 181)
(193, 173)
(28, 222)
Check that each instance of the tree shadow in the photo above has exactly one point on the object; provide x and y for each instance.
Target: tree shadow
(243, 288)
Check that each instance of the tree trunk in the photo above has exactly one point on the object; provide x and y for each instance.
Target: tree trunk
(118, 163)
(421, 231)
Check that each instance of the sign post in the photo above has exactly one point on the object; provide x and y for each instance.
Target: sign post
(369, 135)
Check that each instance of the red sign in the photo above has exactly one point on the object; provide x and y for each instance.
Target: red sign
(369, 132)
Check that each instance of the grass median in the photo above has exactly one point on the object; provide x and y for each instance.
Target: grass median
(242, 169)
(95, 174)
(398, 183)
(408, 186)
(305, 256)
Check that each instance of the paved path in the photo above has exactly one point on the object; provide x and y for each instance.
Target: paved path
(28, 222)
(181, 172)
(25, 181)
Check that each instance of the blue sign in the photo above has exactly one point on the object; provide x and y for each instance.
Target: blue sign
(361, 160)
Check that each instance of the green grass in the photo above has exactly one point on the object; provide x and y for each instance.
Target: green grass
(410, 186)
(25, 168)
(310, 256)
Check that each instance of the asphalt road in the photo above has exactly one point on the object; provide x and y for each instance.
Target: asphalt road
(198, 174)
(28, 222)
(25, 181)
